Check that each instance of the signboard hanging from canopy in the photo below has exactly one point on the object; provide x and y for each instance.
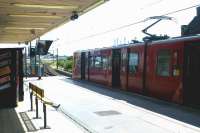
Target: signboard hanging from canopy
(42, 46)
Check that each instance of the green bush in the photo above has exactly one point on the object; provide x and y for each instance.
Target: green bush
(68, 65)
(61, 63)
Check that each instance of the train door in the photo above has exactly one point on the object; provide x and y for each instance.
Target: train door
(116, 57)
(88, 68)
(83, 59)
(192, 74)
(124, 68)
(135, 69)
(87, 65)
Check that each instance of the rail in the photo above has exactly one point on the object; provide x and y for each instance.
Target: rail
(68, 74)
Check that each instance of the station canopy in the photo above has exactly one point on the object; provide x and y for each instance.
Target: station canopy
(26, 20)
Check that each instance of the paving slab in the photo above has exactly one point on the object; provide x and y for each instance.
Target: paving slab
(101, 110)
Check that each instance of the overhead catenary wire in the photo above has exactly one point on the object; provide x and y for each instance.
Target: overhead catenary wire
(131, 24)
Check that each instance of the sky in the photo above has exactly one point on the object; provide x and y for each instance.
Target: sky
(89, 30)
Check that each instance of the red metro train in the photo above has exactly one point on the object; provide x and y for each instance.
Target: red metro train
(166, 69)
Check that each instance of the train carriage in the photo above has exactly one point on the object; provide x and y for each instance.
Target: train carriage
(165, 69)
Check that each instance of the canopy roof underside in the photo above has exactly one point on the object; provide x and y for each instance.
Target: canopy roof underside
(25, 20)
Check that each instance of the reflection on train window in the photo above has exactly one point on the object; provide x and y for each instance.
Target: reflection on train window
(98, 62)
(104, 62)
(79, 62)
(123, 62)
(163, 63)
(133, 62)
(74, 61)
(91, 62)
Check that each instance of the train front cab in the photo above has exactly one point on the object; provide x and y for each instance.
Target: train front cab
(191, 76)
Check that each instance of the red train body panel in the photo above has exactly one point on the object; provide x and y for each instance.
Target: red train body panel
(77, 66)
(135, 71)
(165, 69)
(168, 83)
(99, 70)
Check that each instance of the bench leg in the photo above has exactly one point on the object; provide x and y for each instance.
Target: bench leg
(36, 108)
(45, 117)
(31, 100)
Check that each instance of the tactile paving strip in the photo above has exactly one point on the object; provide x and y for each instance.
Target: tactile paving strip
(27, 121)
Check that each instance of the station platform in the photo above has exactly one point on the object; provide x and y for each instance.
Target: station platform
(22, 120)
(98, 109)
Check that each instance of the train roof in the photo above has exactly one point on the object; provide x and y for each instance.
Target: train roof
(177, 39)
(165, 41)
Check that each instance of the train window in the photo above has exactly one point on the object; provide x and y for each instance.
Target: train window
(79, 61)
(104, 62)
(133, 62)
(123, 62)
(163, 63)
(98, 62)
(74, 64)
(176, 66)
(91, 62)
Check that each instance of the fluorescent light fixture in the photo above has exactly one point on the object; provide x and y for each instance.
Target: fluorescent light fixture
(23, 28)
(35, 16)
(46, 6)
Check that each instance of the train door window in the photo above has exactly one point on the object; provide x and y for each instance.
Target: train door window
(76, 61)
(176, 67)
(133, 62)
(79, 62)
(123, 62)
(163, 63)
(91, 62)
(98, 63)
(74, 64)
(104, 62)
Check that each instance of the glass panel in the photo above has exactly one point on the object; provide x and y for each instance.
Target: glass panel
(123, 62)
(163, 63)
(91, 61)
(133, 62)
(105, 63)
(98, 62)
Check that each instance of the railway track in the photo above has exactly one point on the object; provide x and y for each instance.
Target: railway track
(48, 71)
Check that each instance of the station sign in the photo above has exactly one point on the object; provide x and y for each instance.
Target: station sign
(42, 46)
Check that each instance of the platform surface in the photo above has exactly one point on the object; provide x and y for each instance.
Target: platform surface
(22, 120)
(102, 110)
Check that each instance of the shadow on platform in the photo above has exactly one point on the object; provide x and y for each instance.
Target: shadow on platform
(9, 121)
(185, 114)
